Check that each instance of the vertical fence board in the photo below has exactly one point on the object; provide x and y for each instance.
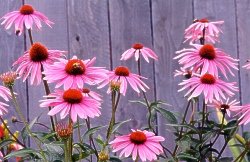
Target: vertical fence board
(169, 25)
(88, 38)
(215, 11)
(11, 48)
(243, 11)
(130, 23)
(53, 38)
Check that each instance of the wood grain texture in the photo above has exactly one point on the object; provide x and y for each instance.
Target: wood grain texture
(53, 38)
(170, 18)
(12, 47)
(130, 23)
(89, 38)
(215, 11)
(243, 11)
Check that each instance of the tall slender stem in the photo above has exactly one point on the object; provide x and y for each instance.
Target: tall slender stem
(91, 138)
(6, 127)
(19, 112)
(46, 86)
(183, 121)
(146, 100)
(115, 102)
(221, 128)
(66, 151)
(30, 37)
(70, 141)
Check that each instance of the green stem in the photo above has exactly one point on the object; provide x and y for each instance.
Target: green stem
(46, 86)
(79, 135)
(115, 102)
(6, 127)
(19, 112)
(221, 128)
(70, 141)
(146, 100)
(225, 144)
(91, 141)
(240, 156)
(180, 134)
(30, 37)
(66, 151)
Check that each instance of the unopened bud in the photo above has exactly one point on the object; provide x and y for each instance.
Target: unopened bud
(64, 130)
(115, 85)
(103, 156)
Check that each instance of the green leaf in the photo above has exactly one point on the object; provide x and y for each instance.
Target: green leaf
(119, 124)
(21, 153)
(184, 125)
(185, 156)
(87, 150)
(24, 132)
(114, 159)
(92, 131)
(137, 101)
(6, 142)
(168, 115)
(100, 141)
(159, 102)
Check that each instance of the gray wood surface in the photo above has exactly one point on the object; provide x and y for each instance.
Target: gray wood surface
(88, 38)
(130, 24)
(168, 37)
(12, 47)
(55, 38)
(216, 10)
(106, 28)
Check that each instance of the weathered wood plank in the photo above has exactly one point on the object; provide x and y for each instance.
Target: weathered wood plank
(88, 38)
(53, 38)
(12, 47)
(130, 23)
(243, 10)
(170, 18)
(214, 11)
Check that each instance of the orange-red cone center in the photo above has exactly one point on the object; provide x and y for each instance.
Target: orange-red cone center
(122, 71)
(85, 90)
(207, 52)
(72, 96)
(208, 79)
(138, 137)
(38, 52)
(203, 20)
(137, 46)
(75, 67)
(26, 10)
(224, 106)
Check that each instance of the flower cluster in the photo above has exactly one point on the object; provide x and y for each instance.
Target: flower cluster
(203, 64)
(73, 80)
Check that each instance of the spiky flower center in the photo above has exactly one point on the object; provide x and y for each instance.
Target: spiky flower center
(8, 78)
(224, 106)
(137, 46)
(38, 52)
(1, 132)
(207, 79)
(207, 52)
(138, 137)
(204, 20)
(188, 74)
(122, 71)
(72, 96)
(75, 67)
(64, 130)
(85, 90)
(26, 10)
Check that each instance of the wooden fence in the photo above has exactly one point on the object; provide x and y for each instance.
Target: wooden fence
(106, 28)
